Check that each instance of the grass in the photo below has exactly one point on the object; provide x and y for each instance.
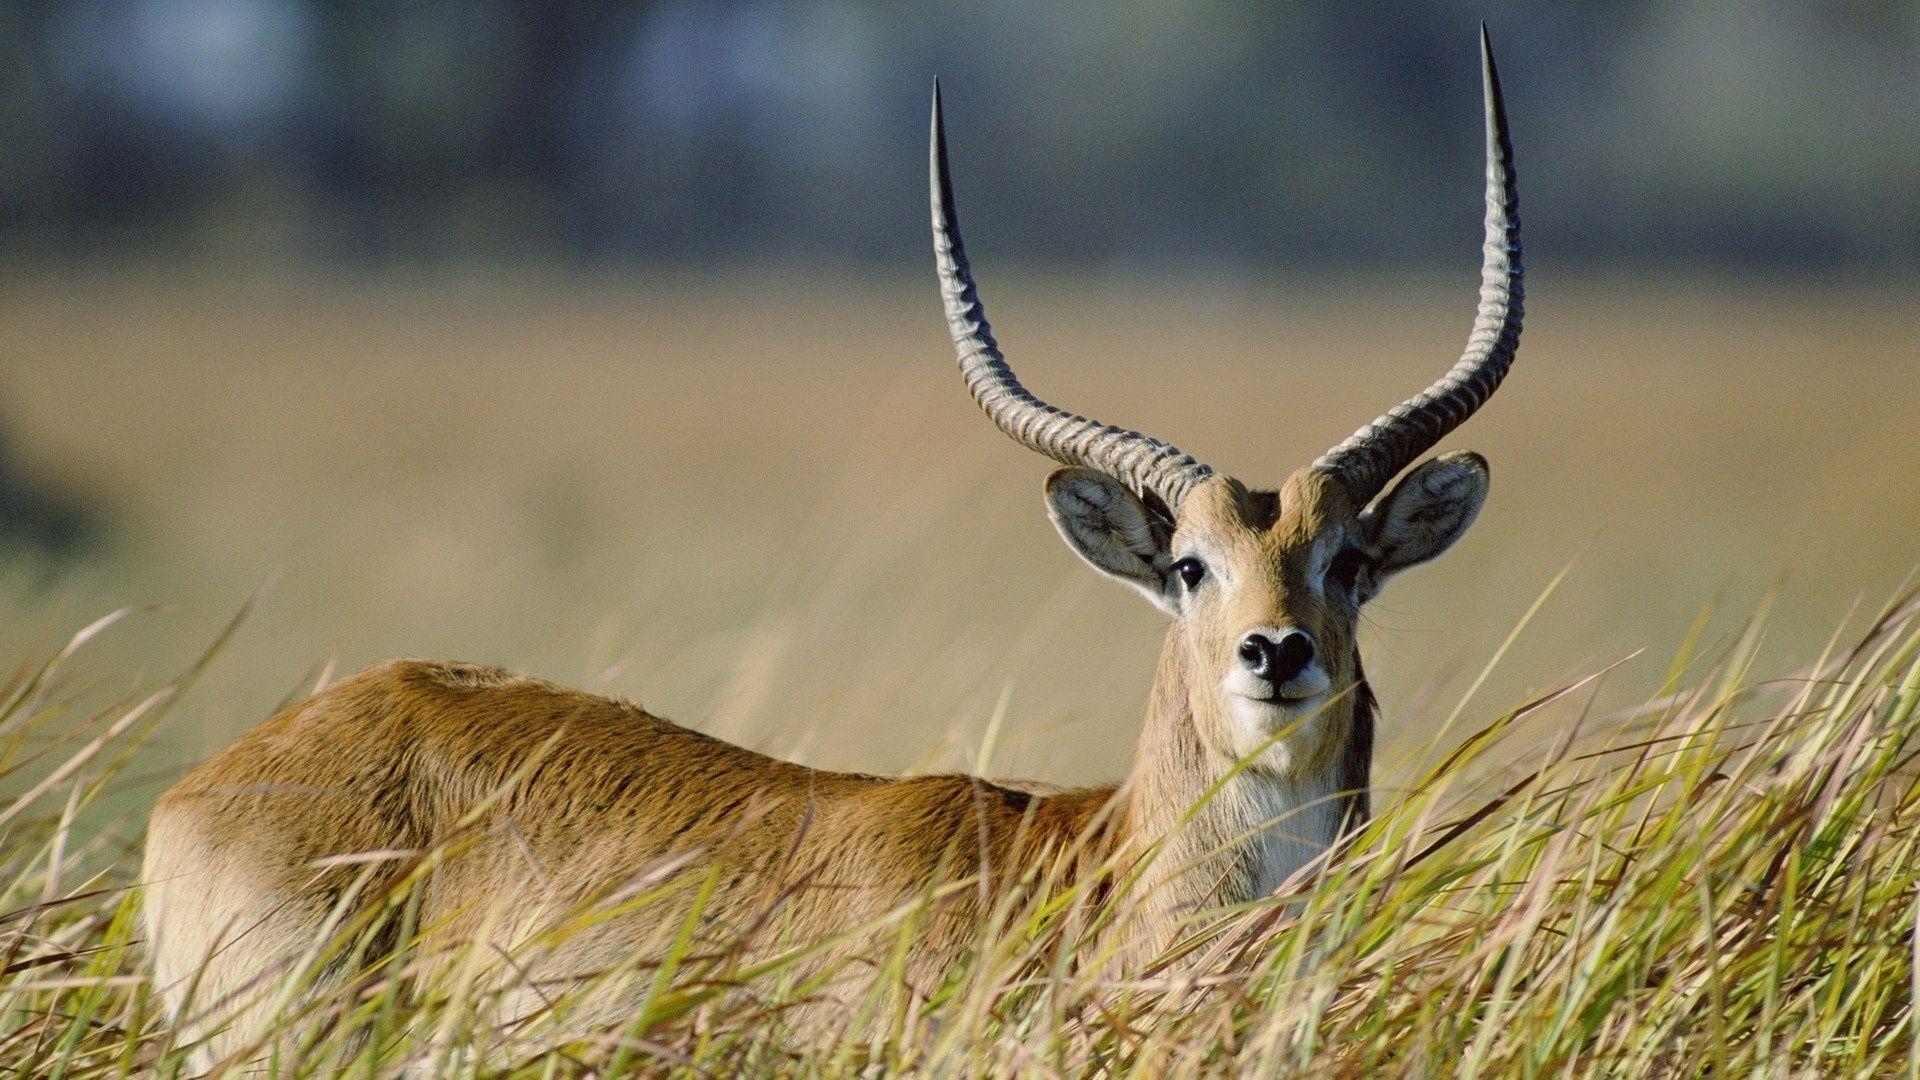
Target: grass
(1724, 882)
(765, 509)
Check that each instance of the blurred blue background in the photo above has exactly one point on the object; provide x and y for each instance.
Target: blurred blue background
(1765, 137)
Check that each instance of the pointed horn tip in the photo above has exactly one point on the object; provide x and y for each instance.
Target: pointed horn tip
(1488, 70)
(1490, 80)
(937, 149)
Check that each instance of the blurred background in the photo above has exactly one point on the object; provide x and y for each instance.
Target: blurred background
(600, 340)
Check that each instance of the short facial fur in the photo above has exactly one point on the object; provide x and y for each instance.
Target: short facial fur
(1301, 560)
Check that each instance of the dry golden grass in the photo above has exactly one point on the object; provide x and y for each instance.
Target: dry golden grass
(765, 507)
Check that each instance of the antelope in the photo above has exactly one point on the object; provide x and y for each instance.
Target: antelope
(1252, 762)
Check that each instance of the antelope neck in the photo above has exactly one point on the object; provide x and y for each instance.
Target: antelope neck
(1256, 829)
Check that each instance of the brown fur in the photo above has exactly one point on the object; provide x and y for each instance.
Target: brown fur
(552, 798)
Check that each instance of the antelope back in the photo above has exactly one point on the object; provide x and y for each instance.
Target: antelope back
(573, 832)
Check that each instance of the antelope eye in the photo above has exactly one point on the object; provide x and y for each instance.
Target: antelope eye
(1345, 568)
(1192, 572)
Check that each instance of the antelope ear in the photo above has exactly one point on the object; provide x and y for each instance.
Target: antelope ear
(1109, 527)
(1426, 512)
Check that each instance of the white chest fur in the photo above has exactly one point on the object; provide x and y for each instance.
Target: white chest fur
(1283, 823)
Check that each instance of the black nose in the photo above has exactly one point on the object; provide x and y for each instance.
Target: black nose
(1276, 660)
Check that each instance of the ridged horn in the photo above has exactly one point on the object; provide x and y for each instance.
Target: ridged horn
(1373, 455)
(1147, 465)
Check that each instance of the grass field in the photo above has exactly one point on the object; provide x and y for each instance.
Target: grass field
(765, 507)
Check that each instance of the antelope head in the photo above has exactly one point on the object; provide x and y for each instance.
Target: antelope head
(1264, 587)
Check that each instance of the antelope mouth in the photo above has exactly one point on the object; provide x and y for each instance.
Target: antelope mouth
(1285, 700)
(1287, 705)
(1263, 716)
(1276, 727)
(1304, 691)
(1308, 687)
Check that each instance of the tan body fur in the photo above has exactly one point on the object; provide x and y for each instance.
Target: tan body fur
(578, 795)
(397, 759)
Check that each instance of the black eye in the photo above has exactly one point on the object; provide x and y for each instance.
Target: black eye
(1344, 571)
(1192, 571)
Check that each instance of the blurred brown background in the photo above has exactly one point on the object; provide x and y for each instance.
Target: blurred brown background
(605, 347)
